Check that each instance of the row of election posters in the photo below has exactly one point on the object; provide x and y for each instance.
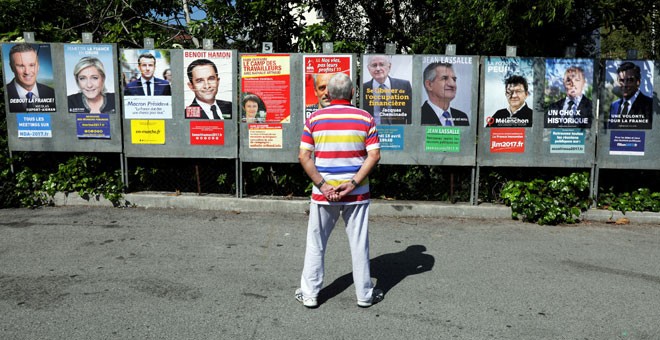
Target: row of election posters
(568, 96)
(436, 92)
(445, 98)
(569, 104)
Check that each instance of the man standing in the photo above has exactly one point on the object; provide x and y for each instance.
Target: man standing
(517, 114)
(573, 111)
(440, 85)
(147, 84)
(387, 99)
(345, 144)
(634, 109)
(25, 94)
(203, 80)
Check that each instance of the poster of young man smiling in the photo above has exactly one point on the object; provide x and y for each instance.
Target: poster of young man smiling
(208, 84)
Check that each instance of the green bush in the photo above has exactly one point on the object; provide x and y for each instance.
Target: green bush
(79, 174)
(641, 199)
(560, 200)
(30, 189)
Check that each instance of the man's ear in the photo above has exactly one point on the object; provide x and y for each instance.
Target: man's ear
(427, 85)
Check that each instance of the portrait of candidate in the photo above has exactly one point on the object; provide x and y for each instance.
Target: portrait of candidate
(381, 86)
(634, 109)
(147, 84)
(203, 80)
(93, 97)
(254, 109)
(440, 85)
(24, 92)
(517, 114)
(575, 104)
(320, 91)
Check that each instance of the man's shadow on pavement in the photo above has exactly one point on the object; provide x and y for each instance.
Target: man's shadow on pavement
(387, 269)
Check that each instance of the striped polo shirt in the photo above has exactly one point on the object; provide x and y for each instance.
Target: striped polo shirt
(340, 136)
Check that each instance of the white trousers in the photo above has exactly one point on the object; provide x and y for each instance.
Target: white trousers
(322, 220)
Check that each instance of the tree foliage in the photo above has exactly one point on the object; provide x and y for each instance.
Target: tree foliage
(125, 22)
(244, 25)
(537, 28)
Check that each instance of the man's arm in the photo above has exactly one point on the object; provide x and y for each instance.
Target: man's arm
(373, 157)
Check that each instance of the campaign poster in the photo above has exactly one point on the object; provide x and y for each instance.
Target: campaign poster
(443, 139)
(206, 132)
(509, 92)
(627, 143)
(507, 140)
(34, 125)
(265, 136)
(208, 84)
(145, 131)
(568, 93)
(93, 126)
(29, 81)
(146, 96)
(447, 95)
(90, 78)
(386, 92)
(266, 82)
(317, 72)
(567, 141)
(391, 137)
(627, 101)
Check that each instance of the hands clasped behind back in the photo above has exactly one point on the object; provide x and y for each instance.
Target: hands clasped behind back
(335, 194)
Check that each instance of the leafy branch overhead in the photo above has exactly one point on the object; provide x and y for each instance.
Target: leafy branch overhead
(415, 26)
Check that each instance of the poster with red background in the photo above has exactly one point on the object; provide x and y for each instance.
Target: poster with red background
(268, 76)
(322, 67)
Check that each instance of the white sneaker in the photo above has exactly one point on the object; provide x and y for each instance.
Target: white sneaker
(377, 296)
(307, 302)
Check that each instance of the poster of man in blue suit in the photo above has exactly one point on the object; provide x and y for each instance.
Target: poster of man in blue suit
(147, 84)
(631, 97)
(145, 95)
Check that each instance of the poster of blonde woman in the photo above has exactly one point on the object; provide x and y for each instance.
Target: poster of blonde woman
(90, 80)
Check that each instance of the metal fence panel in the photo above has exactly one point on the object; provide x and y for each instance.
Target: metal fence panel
(58, 121)
(174, 125)
(545, 135)
(274, 136)
(420, 138)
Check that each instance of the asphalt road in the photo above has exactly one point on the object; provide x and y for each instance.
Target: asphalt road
(109, 273)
